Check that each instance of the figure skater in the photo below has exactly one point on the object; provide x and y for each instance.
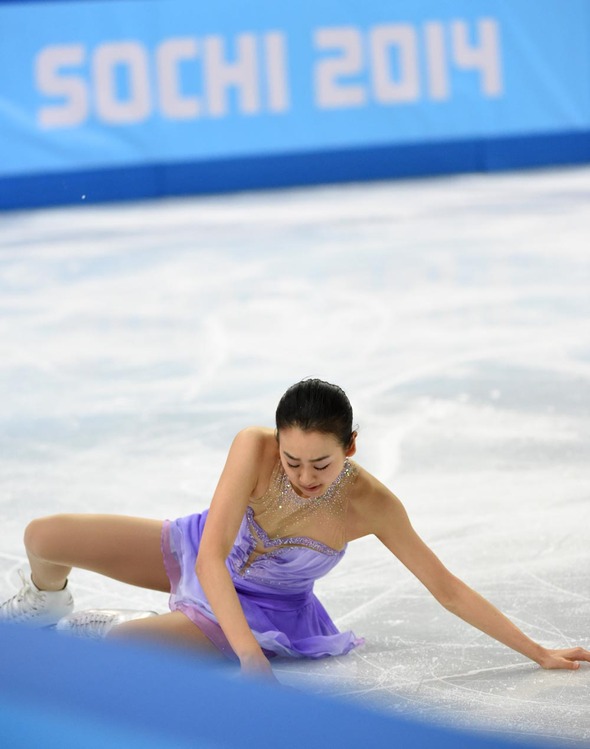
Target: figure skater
(240, 575)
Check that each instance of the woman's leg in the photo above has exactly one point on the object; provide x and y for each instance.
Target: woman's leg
(124, 548)
(169, 629)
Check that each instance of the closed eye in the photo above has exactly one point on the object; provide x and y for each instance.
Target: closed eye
(317, 468)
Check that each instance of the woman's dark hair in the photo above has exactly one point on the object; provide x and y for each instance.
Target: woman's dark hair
(316, 406)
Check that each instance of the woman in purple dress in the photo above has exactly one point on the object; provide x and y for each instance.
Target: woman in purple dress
(240, 575)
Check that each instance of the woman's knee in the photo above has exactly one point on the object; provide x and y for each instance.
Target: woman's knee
(44, 535)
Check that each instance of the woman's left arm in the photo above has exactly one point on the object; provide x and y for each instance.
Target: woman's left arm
(393, 528)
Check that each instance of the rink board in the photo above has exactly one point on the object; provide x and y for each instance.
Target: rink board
(105, 100)
(60, 692)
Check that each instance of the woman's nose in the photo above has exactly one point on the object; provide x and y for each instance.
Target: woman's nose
(306, 476)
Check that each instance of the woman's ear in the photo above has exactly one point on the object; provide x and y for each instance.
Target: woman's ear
(351, 449)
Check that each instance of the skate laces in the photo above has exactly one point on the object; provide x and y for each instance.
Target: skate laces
(25, 604)
(91, 623)
(34, 607)
(97, 623)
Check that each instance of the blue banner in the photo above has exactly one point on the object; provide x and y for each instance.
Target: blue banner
(107, 85)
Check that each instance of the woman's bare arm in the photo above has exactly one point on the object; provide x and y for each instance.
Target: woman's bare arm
(392, 526)
(236, 485)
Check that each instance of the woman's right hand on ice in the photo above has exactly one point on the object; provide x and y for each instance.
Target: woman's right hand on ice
(257, 665)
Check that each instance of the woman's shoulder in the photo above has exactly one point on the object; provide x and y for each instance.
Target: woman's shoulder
(261, 440)
(261, 447)
(367, 487)
(371, 502)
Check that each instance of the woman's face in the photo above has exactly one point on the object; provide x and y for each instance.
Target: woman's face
(311, 460)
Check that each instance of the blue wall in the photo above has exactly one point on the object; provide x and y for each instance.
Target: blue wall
(59, 692)
(110, 100)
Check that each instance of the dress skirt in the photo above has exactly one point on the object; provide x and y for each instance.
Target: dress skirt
(286, 620)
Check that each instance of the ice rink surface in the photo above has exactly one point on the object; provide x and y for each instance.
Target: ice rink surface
(137, 339)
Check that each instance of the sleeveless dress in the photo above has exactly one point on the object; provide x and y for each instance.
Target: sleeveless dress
(285, 543)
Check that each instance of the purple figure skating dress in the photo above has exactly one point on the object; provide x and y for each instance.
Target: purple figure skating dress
(284, 544)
